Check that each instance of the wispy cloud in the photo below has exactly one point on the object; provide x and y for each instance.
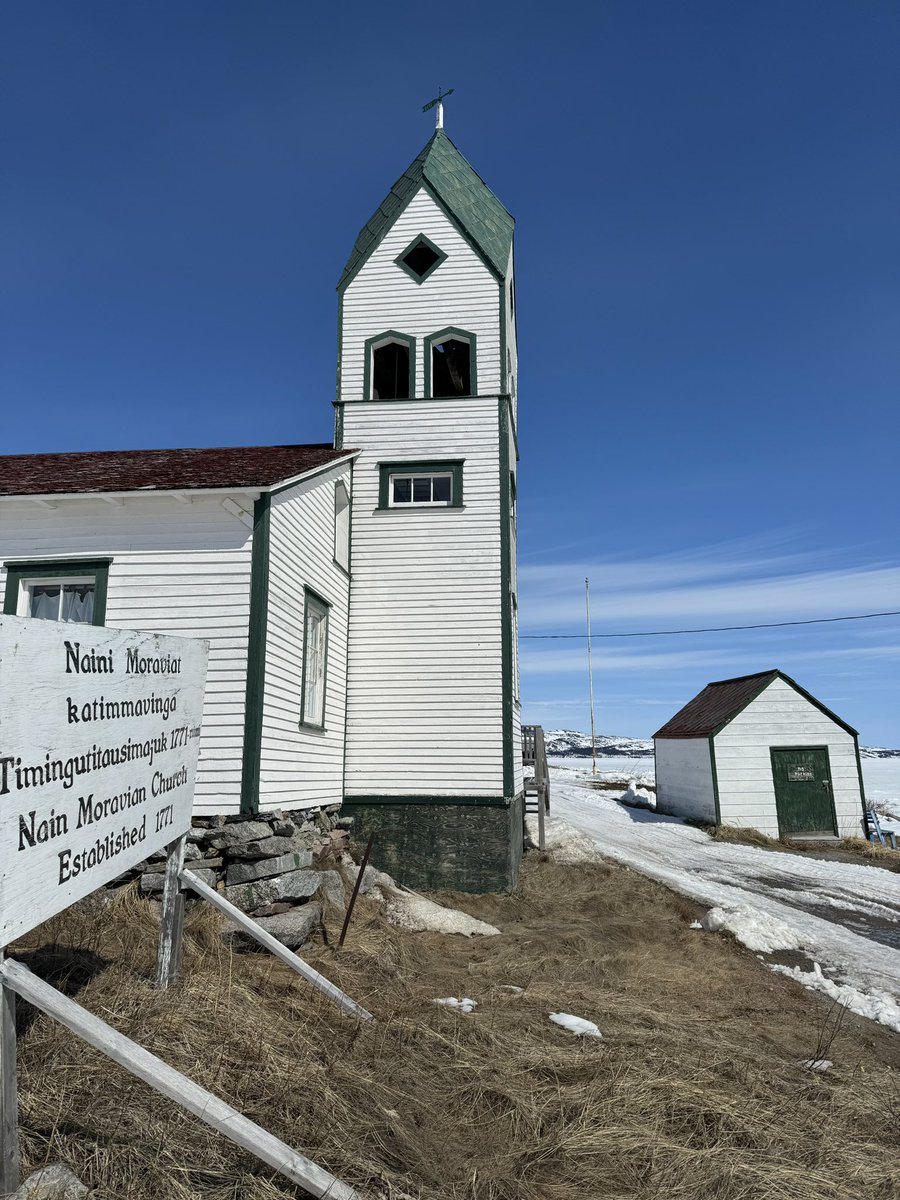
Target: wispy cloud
(721, 584)
(541, 660)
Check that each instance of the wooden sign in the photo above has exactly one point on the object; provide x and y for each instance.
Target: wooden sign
(99, 734)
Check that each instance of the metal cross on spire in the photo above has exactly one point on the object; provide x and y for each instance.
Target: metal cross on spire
(438, 103)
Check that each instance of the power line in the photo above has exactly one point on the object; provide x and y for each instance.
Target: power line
(711, 629)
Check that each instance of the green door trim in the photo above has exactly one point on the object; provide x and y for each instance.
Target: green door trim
(773, 750)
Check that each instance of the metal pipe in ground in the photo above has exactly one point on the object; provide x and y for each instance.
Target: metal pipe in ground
(356, 887)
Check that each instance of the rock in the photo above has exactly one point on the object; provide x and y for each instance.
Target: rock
(247, 872)
(212, 864)
(282, 827)
(152, 881)
(295, 927)
(191, 852)
(344, 823)
(51, 1183)
(272, 910)
(152, 868)
(270, 847)
(331, 890)
(200, 835)
(238, 833)
(295, 885)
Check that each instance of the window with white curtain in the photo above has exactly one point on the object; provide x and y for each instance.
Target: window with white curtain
(315, 653)
(70, 600)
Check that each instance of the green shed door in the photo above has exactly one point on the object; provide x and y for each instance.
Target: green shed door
(803, 796)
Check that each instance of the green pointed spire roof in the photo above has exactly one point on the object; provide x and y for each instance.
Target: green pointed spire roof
(460, 191)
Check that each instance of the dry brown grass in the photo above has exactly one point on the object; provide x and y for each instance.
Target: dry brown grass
(884, 856)
(746, 837)
(694, 1092)
(849, 849)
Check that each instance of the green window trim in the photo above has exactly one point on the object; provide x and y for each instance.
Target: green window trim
(310, 596)
(389, 335)
(441, 258)
(444, 466)
(17, 572)
(443, 335)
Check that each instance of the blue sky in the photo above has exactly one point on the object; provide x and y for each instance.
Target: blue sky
(707, 243)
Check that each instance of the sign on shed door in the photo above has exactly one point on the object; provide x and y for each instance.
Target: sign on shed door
(803, 795)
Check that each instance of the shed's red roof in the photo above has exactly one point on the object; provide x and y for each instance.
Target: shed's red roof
(159, 470)
(720, 702)
(715, 706)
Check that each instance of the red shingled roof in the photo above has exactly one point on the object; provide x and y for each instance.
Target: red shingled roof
(720, 702)
(159, 470)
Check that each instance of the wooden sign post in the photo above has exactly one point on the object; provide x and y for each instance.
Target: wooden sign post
(99, 737)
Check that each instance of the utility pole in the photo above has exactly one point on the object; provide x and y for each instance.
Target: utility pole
(587, 606)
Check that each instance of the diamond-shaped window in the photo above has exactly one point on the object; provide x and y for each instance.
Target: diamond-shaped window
(420, 258)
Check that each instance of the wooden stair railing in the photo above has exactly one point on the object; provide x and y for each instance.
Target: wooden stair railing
(537, 786)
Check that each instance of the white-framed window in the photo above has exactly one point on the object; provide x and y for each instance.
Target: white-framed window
(60, 599)
(342, 525)
(432, 489)
(315, 659)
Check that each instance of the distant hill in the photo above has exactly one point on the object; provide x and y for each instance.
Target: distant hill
(567, 743)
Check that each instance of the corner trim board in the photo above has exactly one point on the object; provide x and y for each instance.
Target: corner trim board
(506, 623)
(256, 655)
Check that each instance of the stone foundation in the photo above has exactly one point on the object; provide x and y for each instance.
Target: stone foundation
(442, 845)
(281, 868)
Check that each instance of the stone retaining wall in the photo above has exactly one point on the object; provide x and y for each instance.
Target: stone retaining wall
(281, 868)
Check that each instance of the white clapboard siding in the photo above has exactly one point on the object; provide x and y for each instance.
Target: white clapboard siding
(302, 767)
(176, 568)
(462, 292)
(684, 781)
(781, 716)
(424, 709)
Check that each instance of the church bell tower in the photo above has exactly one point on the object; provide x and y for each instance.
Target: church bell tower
(427, 392)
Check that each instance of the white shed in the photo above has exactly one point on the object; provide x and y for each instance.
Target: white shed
(759, 752)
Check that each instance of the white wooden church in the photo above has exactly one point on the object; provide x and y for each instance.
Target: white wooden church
(360, 599)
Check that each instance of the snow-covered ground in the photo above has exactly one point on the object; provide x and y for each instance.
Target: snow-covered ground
(844, 917)
(881, 776)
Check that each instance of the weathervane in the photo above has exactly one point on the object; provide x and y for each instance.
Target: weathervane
(438, 102)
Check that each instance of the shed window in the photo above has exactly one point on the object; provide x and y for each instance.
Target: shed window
(390, 371)
(315, 654)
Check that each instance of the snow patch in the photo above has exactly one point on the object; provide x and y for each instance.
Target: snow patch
(636, 797)
(875, 1004)
(410, 911)
(577, 1025)
(753, 928)
(464, 1004)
